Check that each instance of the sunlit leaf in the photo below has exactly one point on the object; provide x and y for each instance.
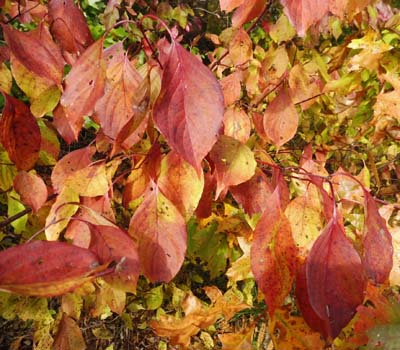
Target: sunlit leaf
(180, 183)
(46, 268)
(84, 85)
(234, 163)
(273, 254)
(335, 278)
(189, 110)
(69, 335)
(160, 232)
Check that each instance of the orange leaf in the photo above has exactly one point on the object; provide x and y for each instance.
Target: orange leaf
(32, 189)
(84, 85)
(37, 51)
(46, 269)
(335, 278)
(234, 163)
(237, 341)
(281, 119)
(69, 335)
(189, 110)
(273, 254)
(240, 48)
(19, 133)
(247, 11)
(237, 124)
(160, 231)
(179, 182)
(69, 164)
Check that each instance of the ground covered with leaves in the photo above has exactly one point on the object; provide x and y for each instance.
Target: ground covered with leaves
(206, 174)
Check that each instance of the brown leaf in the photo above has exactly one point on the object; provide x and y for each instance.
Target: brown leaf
(234, 163)
(69, 27)
(335, 278)
(84, 85)
(237, 341)
(32, 189)
(378, 247)
(281, 119)
(19, 133)
(160, 231)
(37, 51)
(46, 269)
(69, 335)
(113, 244)
(273, 254)
(189, 110)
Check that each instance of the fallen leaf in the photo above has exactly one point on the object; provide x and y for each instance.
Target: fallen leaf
(238, 341)
(69, 335)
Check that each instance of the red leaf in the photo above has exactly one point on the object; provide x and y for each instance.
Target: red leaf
(281, 119)
(115, 108)
(378, 247)
(113, 244)
(335, 278)
(43, 268)
(253, 195)
(32, 189)
(273, 254)
(64, 128)
(19, 133)
(190, 108)
(69, 164)
(69, 27)
(248, 11)
(229, 5)
(84, 85)
(303, 303)
(305, 13)
(37, 51)
(160, 231)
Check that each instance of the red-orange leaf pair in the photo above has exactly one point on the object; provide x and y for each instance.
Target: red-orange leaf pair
(19, 133)
(274, 254)
(334, 278)
(45, 269)
(190, 108)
